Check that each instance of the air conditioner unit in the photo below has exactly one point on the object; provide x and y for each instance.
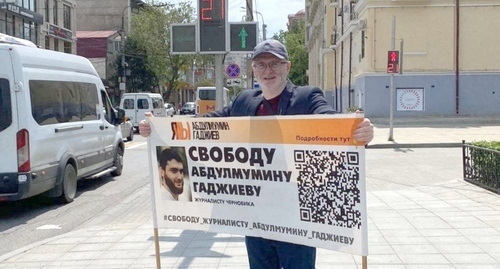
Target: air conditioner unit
(362, 24)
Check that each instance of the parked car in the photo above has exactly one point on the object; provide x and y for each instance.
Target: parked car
(188, 108)
(127, 130)
(170, 109)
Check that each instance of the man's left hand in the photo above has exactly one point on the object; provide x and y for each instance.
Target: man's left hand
(364, 132)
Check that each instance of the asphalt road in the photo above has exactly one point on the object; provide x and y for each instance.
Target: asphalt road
(37, 218)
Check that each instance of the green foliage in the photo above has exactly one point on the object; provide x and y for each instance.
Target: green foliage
(150, 31)
(353, 109)
(494, 145)
(486, 163)
(294, 40)
(204, 82)
(141, 77)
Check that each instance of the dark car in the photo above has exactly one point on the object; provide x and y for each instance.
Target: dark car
(188, 108)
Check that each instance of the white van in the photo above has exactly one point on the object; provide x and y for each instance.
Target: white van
(57, 123)
(135, 104)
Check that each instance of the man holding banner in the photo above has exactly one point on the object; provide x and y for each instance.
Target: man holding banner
(278, 96)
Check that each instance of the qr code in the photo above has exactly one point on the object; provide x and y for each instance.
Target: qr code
(328, 187)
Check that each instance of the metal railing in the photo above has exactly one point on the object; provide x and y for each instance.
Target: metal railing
(481, 166)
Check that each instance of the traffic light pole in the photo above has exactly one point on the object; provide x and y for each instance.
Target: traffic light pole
(391, 89)
(219, 82)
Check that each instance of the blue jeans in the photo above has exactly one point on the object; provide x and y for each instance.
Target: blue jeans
(272, 254)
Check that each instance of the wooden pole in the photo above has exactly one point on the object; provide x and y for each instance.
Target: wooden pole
(153, 205)
(157, 249)
(364, 262)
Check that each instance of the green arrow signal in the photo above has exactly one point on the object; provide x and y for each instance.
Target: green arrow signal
(243, 36)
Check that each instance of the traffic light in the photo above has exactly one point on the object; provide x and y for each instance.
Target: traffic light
(212, 19)
(393, 62)
(183, 38)
(242, 36)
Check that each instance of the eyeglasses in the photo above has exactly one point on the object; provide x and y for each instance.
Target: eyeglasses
(261, 67)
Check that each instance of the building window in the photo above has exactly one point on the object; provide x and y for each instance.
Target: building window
(10, 25)
(67, 47)
(47, 42)
(3, 24)
(56, 20)
(56, 44)
(47, 11)
(118, 45)
(67, 17)
(19, 27)
(29, 4)
(27, 32)
(33, 33)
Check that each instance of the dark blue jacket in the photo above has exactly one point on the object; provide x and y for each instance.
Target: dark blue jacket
(294, 100)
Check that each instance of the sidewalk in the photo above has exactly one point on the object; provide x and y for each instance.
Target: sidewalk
(434, 132)
(449, 224)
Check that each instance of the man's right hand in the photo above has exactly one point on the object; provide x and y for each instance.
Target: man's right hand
(144, 127)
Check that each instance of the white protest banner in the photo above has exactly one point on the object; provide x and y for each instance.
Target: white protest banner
(298, 179)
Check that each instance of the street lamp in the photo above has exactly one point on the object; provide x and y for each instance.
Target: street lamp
(264, 26)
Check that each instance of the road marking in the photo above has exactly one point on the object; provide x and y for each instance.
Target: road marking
(135, 145)
(49, 227)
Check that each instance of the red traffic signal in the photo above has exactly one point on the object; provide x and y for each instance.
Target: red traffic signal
(393, 62)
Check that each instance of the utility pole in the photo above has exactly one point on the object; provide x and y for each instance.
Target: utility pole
(264, 27)
(219, 82)
(123, 84)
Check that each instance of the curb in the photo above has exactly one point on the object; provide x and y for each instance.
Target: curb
(415, 145)
(405, 122)
(29, 247)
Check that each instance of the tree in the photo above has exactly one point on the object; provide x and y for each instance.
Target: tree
(141, 77)
(294, 41)
(204, 82)
(151, 31)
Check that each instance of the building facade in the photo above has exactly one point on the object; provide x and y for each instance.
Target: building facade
(448, 51)
(59, 29)
(20, 19)
(103, 24)
(98, 15)
(50, 24)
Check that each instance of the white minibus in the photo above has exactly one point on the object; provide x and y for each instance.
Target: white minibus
(57, 123)
(136, 104)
